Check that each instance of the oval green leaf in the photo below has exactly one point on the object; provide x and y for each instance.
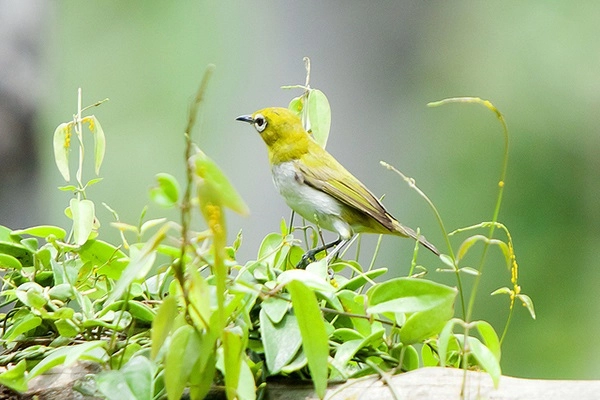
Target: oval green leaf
(314, 335)
(162, 324)
(215, 184)
(490, 338)
(83, 219)
(62, 144)
(166, 193)
(319, 115)
(281, 341)
(527, 302)
(42, 231)
(99, 142)
(426, 324)
(408, 295)
(9, 262)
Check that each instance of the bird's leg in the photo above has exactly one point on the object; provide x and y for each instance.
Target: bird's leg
(309, 256)
(340, 244)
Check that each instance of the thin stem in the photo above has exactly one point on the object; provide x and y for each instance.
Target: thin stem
(510, 314)
(375, 253)
(96, 104)
(411, 182)
(501, 184)
(79, 133)
(186, 203)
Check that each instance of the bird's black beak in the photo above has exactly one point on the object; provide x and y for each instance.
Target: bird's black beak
(245, 118)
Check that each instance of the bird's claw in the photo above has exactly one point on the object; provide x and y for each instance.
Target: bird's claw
(306, 259)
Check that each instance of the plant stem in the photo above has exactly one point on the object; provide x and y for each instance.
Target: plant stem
(186, 204)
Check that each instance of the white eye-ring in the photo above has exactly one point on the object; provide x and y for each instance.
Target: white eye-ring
(260, 123)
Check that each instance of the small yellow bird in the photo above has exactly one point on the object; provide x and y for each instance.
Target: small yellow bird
(318, 187)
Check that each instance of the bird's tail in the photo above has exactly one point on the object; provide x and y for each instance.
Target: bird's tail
(406, 231)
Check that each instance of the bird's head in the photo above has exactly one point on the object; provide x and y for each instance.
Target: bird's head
(282, 132)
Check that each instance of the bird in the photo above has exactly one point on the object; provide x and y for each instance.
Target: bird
(317, 187)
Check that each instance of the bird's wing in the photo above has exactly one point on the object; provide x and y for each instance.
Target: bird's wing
(332, 178)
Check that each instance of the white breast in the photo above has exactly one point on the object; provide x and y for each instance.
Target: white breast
(312, 204)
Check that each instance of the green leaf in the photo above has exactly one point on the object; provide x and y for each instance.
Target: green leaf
(348, 349)
(9, 262)
(204, 370)
(468, 243)
(94, 353)
(271, 250)
(444, 340)
(344, 354)
(484, 357)
(410, 362)
(66, 328)
(281, 341)
(43, 231)
(355, 304)
(133, 381)
(62, 292)
(83, 219)
(22, 324)
(319, 115)
(276, 307)
(408, 295)
(490, 338)
(151, 224)
(99, 141)
(166, 193)
(140, 311)
(247, 387)
(469, 271)
(14, 378)
(233, 348)
(297, 105)
(76, 352)
(502, 290)
(140, 264)
(428, 356)
(93, 182)
(314, 336)
(201, 380)
(183, 353)
(108, 381)
(527, 302)
(308, 279)
(68, 188)
(200, 298)
(62, 143)
(297, 363)
(426, 324)
(115, 320)
(162, 324)
(108, 259)
(18, 251)
(346, 334)
(214, 184)
(446, 259)
(138, 374)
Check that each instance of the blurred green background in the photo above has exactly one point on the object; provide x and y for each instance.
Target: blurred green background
(379, 63)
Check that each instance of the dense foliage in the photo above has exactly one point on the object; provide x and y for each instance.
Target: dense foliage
(171, 307)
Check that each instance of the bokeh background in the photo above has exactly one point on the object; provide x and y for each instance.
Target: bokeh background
(379, 64)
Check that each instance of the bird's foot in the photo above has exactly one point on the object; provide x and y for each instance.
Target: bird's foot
(307, 258)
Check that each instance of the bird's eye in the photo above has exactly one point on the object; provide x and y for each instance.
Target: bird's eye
(260, 123)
